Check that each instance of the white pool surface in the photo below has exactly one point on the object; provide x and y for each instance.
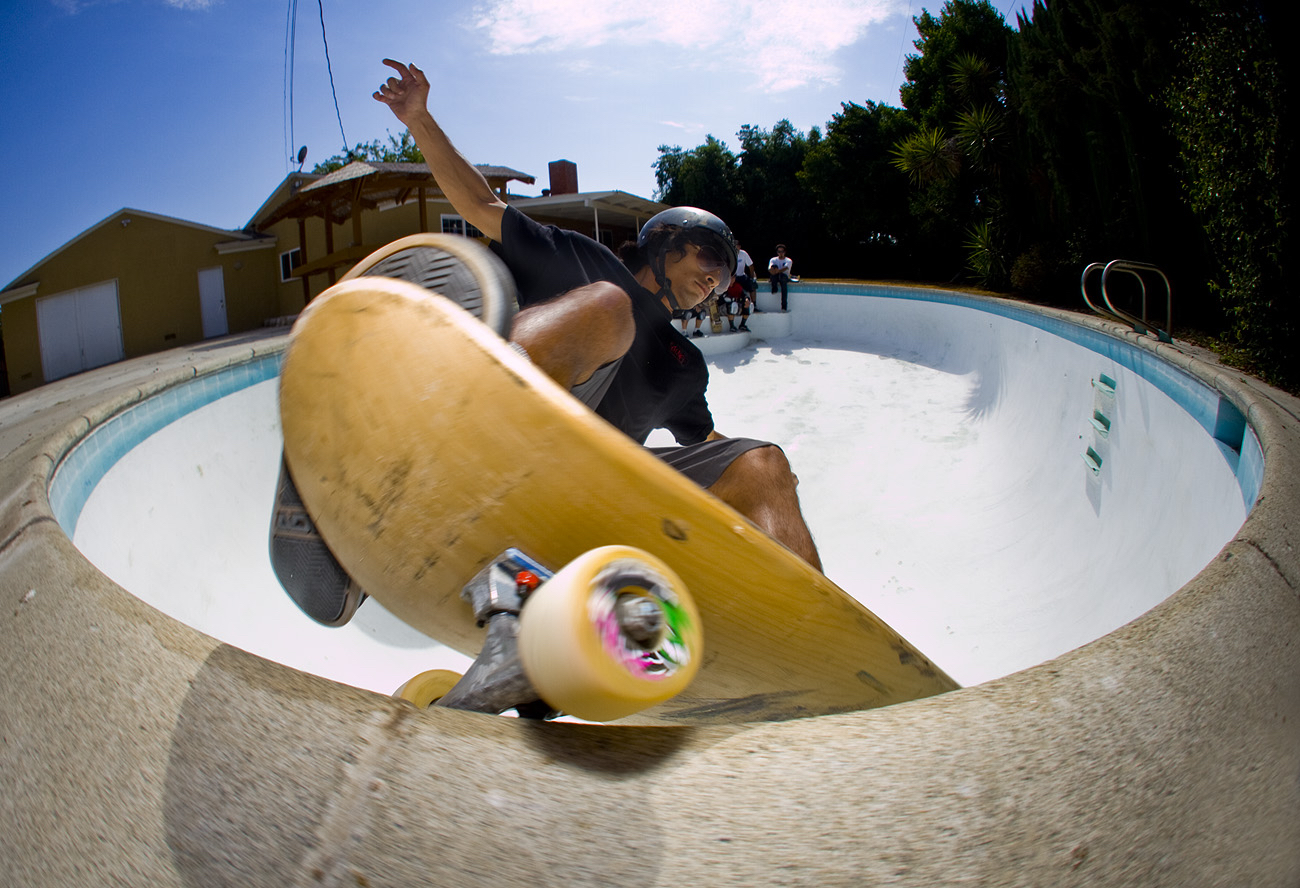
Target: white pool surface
(940, 452)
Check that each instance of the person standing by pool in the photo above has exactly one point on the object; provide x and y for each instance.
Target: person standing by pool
(778, 269)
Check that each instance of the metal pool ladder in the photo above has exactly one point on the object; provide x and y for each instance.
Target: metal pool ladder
(1142, 271)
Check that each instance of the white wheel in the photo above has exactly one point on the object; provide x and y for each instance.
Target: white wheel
(612, 633)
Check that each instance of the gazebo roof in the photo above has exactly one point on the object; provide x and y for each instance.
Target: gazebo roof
(369, 183)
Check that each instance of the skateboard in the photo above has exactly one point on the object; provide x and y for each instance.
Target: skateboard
(715, 316)
(456, 482)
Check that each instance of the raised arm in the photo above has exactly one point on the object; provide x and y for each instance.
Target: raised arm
(466, 189)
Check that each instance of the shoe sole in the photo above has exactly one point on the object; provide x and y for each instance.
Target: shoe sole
(452, 267)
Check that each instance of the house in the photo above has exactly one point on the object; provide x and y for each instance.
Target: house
(138, 282)
(132, 284)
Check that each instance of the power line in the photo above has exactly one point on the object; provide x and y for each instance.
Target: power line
(902, 45)
(290, 41)
(321, 5)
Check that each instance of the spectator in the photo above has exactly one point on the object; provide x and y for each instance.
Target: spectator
(778, 270)
(747, 278)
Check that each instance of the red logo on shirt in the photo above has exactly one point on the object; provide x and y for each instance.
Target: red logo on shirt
(677, 353)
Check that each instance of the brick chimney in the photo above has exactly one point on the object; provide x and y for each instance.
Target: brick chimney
(564, 177)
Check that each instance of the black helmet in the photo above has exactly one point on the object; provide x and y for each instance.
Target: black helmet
(699, 227)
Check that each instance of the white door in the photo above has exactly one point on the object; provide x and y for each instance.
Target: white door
(79, 330)
(212, 302)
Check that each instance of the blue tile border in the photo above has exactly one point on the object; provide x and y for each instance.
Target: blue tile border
(94, 455)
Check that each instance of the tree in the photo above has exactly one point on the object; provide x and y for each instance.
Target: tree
(397, 150)
(774, 205)
(961, 61)
(1235, 130)
(955, 93)
(862, 200)
(703, 177)
(1084, 77)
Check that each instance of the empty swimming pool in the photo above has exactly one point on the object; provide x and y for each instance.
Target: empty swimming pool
(998, 485)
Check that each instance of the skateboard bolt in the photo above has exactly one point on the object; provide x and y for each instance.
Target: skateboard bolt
(641, 620)
(526, 581)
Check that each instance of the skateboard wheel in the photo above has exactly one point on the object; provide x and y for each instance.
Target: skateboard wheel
(612, 633)
(428, 687)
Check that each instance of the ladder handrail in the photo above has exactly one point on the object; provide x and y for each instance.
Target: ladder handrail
(1137, 269)
(1083, 288)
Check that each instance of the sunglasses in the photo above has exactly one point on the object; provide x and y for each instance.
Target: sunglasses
(710, 259)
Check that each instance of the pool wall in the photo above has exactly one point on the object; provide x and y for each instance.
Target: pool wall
(974, 527)
(134, 750)
(821, 311)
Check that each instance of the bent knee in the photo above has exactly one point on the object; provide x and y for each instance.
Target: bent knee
(768, 464)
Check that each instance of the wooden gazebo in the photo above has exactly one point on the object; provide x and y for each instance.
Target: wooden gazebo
(364, 185)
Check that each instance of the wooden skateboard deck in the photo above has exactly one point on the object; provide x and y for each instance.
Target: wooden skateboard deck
(715, 315)
(424, 446)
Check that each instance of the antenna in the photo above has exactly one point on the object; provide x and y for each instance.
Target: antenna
(302, 155)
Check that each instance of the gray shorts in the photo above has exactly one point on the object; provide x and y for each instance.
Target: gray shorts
(703, 463)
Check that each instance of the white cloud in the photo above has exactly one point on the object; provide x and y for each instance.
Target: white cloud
(783, 43)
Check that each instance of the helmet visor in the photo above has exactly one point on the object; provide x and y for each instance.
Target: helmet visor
(712, 261)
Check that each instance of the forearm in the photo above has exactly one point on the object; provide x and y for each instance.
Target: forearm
(462, 184)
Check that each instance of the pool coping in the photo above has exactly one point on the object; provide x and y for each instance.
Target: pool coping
(1163, 753)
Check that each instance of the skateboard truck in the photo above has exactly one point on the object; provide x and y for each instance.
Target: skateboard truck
(495, 681)
(634, 621)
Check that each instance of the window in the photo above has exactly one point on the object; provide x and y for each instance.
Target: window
(288, 262)
(457, 225)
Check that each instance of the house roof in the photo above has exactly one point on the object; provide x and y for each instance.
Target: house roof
(418, 171)
(591, 205)
(230, 234)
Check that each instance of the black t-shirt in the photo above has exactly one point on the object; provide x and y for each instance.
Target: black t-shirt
(662, 378)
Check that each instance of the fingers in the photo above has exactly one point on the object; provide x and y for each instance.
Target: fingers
(407, 71)
(390, 91)
(394, 91)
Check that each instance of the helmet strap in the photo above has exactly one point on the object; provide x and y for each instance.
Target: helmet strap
(665, 286)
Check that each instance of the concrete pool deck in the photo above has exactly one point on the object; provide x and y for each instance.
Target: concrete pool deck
(135, 750)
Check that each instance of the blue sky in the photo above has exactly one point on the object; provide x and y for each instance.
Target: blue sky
(179, 107)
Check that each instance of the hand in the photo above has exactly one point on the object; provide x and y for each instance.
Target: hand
(406, 97)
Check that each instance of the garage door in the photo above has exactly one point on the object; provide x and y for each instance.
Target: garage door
(79, 330)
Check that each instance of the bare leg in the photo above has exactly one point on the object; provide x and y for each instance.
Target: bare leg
(571, 336)
(760, 485)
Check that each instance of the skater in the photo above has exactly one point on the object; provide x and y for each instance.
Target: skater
(601, 325)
